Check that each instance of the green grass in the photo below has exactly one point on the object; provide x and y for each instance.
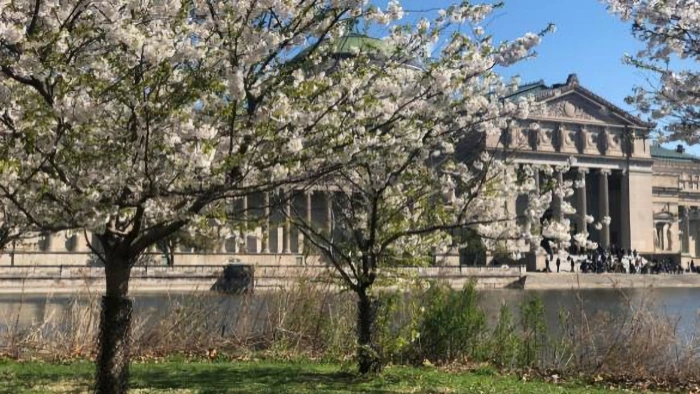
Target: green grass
(267, 377)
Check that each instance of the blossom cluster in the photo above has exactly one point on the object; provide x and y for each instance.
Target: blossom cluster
(670, 31)
(137, 119)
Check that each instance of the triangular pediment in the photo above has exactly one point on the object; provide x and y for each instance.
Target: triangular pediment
(574, 106)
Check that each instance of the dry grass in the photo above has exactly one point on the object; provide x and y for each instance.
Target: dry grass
(308, 319)
(313, 320)
(638, 341)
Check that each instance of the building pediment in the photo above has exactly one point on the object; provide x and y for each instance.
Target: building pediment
(570, 119)
(572, 103)
(573, 107)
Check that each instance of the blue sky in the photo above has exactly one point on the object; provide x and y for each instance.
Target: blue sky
(588, 41)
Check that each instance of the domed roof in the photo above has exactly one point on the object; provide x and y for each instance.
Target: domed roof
(349, 45)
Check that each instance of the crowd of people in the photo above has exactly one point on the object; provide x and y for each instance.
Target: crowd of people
(614, 260)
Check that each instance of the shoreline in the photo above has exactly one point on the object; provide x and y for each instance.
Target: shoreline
(42, 280)
(576, 281)
(530, 281)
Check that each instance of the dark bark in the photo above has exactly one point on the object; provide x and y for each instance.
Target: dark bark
(368, 353)
(112, 376)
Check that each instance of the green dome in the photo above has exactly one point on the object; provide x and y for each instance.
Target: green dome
(346, 46)
(353, 42)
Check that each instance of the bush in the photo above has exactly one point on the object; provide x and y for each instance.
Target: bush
(452, 326)
(505, 343)
(534, 333)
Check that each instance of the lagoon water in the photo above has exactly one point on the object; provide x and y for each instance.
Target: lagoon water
(680, 305)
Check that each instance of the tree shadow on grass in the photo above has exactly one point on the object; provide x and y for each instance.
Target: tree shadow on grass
(35, 378)
(257, 379)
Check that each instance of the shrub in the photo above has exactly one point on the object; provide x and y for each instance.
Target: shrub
(505, 343)
(452, 326)
(534, 333)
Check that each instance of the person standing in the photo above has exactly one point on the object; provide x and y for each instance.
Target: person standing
(558, 263)
(571, 259)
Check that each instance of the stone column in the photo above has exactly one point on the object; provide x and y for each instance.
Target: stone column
(257, 237)
(266, 223)
(533, 195)
(685, 243)
(236, 247)
(244, 233)
(557, 201)
(308, 196)
(287, 228)
(604, 207)
(307, 217)
(531, 257)
(329, 213)
(663, 239)
(305, 244)
(696, 238)
(625, 214)
(581, 210)
(279, 232)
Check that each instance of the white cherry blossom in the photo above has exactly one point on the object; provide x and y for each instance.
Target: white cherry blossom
(670, 31)
(137, 120)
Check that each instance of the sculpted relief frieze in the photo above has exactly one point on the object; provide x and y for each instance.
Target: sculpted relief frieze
(549, 136)
(572, 123)
(563, 138)
(573, 107)
(566, 109)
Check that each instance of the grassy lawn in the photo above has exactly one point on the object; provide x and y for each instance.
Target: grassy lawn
(266, 377)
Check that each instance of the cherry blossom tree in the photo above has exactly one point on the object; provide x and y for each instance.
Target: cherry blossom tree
(421, 106)
(671, 31)
(137, 119)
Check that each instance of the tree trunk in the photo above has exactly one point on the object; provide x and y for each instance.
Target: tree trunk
(115, 323)
(368, 353)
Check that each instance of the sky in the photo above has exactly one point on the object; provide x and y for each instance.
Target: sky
(588, 41)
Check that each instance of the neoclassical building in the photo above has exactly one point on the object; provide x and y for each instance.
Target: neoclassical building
(649, 193)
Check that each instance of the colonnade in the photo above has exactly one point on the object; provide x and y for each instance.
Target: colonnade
(581, 201)
(258, 240)
(255, 240)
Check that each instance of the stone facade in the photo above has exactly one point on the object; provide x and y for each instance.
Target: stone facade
(650, 194)
(675, 203)
(614, 163)
(270, 242)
